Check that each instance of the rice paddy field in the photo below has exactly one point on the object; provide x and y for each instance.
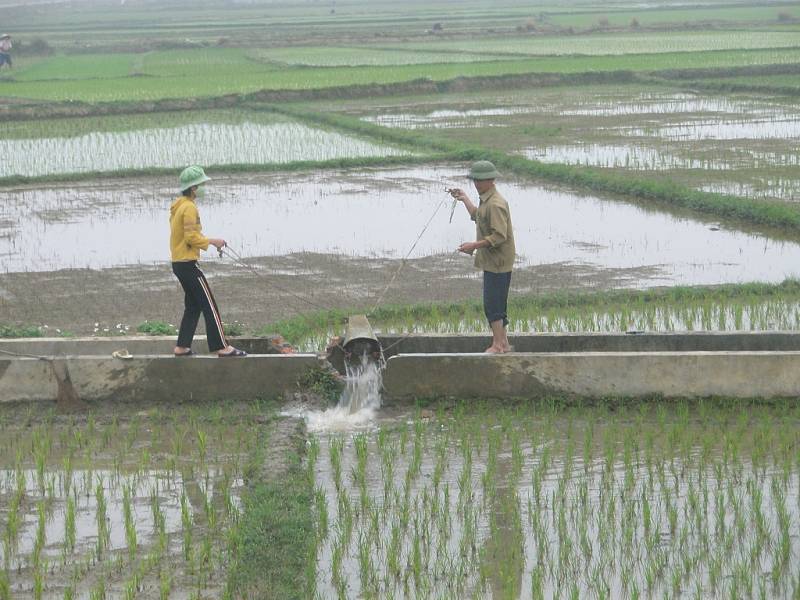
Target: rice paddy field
(148, 142)
(516, 501)
(123, 504)
(649, 155)
(743, 144)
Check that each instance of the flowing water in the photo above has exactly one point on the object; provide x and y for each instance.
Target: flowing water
(359, 401)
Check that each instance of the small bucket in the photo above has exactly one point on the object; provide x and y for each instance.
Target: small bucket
(359, 339)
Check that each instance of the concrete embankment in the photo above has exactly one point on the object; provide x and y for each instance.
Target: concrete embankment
(595, 374)
(739, 365)
(151, 374)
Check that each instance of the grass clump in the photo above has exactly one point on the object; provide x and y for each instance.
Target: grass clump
(324, 382)
(233, 328)
(20, 331)
(157, 328)
(272, 550)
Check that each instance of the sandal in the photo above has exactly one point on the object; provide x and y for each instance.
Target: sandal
(189, 353)
(235, 352)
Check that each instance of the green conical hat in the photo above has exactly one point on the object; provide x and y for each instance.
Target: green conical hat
(192, 176)
(483, 169)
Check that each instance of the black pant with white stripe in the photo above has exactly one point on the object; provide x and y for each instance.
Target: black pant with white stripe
(198, 299)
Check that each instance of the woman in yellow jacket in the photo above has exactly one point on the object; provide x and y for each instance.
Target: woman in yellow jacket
(186, 241)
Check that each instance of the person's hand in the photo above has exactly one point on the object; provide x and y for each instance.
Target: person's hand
(458, 194)
(468, 247)
(218, 243)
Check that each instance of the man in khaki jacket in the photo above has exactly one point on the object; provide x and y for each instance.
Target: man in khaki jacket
(494, 249)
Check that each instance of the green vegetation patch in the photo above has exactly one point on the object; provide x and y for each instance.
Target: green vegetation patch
(272, 549)
(193, 75)
(77, 67)
(339, 56)
(80, 126)
(563, 498)
(682, 15)
(156, 328)
(130, 498)
(616, 43)
(210, 63)
(753, 306)
(20, 331)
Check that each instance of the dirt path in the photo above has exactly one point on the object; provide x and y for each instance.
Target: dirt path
(74, 300)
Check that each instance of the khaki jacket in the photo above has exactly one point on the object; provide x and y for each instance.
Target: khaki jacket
(493, 221)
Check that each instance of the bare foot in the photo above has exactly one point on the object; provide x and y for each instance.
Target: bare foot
(494, 349)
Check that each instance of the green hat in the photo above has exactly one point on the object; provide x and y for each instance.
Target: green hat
(483, 169)
(192, 176)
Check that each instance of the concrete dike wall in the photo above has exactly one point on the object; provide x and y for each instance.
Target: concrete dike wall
(739, 365)
(152, 374)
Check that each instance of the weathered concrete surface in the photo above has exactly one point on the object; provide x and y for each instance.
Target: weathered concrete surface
(597, 342)
(436, 343)
(595, 374)
(134, 344)
(741, 365)
(156, 378)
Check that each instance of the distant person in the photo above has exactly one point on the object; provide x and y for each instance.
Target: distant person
(186, 241)
(494, 249)
(5, 50)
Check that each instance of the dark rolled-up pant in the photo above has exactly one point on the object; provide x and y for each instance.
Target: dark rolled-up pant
(198, 299)
(495, 296)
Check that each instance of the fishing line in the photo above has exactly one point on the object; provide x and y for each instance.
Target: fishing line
(238, 259)
(403, 263)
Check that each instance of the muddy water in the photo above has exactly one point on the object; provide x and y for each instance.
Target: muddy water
(500, 503)
(722, 129)
(183, 485)
(166, 485)
(625, 128)
(758, 117)
(374, 214)
(621, 156)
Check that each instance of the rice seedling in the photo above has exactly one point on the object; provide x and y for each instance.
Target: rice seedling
(130, 524)
(645, 502)
(186, 523)
(255, 139)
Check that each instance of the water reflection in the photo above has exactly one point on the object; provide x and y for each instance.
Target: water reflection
(373, 213)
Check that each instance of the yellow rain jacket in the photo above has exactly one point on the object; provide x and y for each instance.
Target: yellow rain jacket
(186, 237)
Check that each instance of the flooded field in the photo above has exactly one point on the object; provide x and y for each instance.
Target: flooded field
(132, 142)
(750, 141)
(112, 505)
(374, 214)
(538, 501)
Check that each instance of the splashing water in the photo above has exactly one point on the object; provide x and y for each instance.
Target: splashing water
(359, 400)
